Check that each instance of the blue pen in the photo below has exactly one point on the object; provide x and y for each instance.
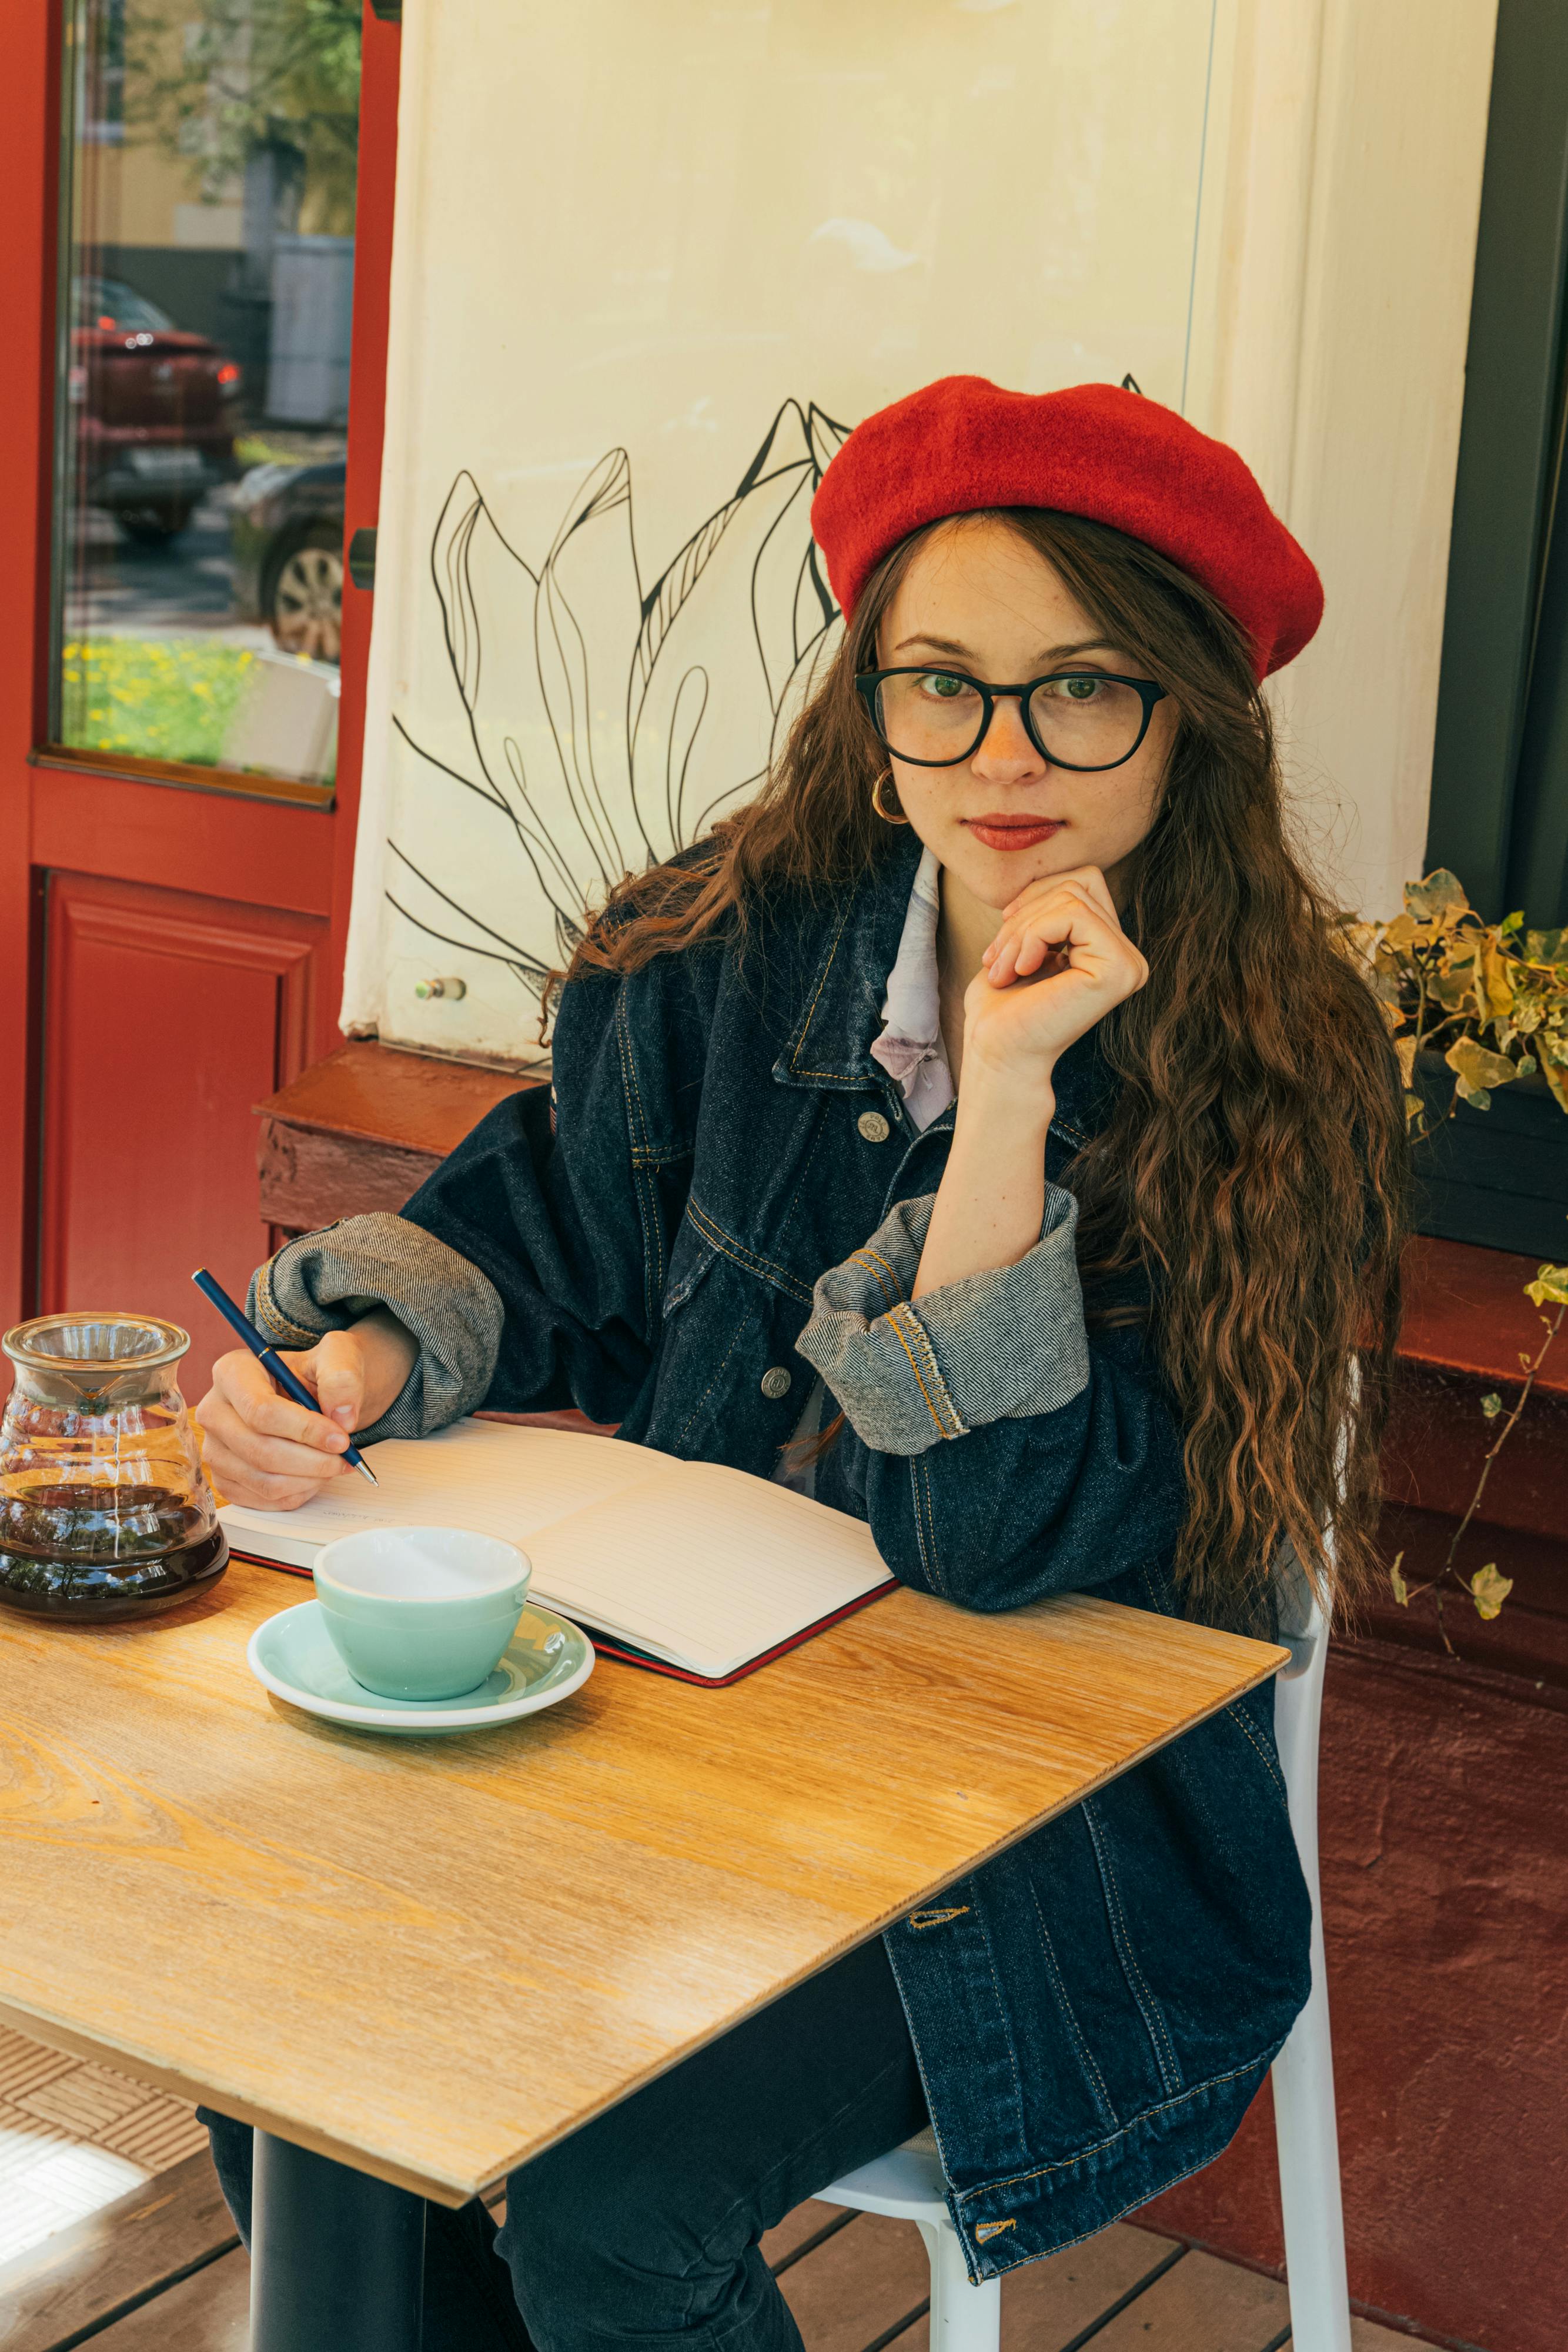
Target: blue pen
(267, 1357)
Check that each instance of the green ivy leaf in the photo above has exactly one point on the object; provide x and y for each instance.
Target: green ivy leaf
(1491, 1404)
(1550, 1288)
(1478, 1068)
(1489, 1590)
(1546, 947)
(1440, 893)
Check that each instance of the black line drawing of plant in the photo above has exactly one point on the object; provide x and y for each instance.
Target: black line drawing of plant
(609, 723)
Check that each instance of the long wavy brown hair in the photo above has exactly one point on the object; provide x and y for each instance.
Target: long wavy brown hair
(1253, 1168)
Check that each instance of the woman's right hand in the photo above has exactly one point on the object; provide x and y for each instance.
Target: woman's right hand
(263, 1449)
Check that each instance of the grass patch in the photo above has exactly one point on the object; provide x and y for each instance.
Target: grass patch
(253, 449)
(156, 698)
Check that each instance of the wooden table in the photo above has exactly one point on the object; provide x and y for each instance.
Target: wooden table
(428, 1959)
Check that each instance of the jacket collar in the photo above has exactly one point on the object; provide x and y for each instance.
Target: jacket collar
(846, 952)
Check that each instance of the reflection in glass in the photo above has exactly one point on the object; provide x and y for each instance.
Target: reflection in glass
(202, 399)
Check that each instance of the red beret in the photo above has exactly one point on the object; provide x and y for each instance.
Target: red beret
(962, 444)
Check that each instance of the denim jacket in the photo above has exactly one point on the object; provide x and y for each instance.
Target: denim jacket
(722, 1190)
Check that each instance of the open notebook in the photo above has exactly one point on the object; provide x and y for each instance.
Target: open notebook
(699, 1570)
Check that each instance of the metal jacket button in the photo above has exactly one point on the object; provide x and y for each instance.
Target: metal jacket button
(776, 1381)
(873, 1127)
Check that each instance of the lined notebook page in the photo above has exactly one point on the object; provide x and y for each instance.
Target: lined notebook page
(481, 1474)
(704, 1567)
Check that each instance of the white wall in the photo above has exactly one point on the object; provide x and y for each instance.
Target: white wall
(645, 224)
(1338, 308)
(650, 228)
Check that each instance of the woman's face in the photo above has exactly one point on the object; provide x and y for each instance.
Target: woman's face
(980, 599)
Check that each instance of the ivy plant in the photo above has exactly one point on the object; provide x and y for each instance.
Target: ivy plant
(1490, 998)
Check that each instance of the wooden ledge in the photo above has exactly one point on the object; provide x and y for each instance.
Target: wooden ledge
(413, 1102)
(1466, 1313)
(363, 1128)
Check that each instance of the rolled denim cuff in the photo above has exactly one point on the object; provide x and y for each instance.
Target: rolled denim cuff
(325, 1281)
(999, 1345)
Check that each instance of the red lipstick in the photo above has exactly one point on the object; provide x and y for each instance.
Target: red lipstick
(999, 831)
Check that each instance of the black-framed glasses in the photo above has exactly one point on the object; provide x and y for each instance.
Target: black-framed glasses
(1083, 719)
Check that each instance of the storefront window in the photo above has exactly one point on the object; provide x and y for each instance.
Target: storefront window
(203, 398)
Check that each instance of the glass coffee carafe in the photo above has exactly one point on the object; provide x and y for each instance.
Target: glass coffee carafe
(104, 1509)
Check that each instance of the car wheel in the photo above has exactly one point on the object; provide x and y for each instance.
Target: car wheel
(154, 526)
(304, 601)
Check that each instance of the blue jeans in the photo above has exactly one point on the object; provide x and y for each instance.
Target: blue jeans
(642, 2229)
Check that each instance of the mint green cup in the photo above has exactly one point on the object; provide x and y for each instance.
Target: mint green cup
(420, 1612)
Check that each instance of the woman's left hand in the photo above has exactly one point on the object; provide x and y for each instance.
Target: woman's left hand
(1059, 961)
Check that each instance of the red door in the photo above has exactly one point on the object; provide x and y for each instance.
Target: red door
(194, 431)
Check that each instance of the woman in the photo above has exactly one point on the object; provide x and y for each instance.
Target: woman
(1096, 1321)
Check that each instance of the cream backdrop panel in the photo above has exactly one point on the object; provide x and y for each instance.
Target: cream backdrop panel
(653, 259)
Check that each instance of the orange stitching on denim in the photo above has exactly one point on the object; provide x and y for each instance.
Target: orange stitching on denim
(628, 1070)
(647, 1205)
(1273, 1768)
(893, 1277)
(927, 1562)
(740, 1330)
(728, 1246)
(1146, 2116)
(1086, 2055)
(921, 1478)
(992, 2229)
(1120, 1935)
(804, 1176)
(915, 1369)
(799, 1038)
(922, 1339)
(937, 1918)
(864, 1258)
(647, 1211)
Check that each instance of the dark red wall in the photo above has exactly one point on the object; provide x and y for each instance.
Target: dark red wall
(1444, 1828)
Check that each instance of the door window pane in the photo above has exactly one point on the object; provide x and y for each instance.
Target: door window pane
(202, 400)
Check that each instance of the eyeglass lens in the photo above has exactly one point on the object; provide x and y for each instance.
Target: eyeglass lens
(1084, 721)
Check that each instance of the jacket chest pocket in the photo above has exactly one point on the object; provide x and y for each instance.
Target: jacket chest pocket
(731, 1387)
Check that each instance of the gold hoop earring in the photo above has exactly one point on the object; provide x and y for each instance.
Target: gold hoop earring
(885, 778)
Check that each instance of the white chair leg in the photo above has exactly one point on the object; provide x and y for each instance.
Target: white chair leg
(1304, 2122)
(964, 2318)
(1308, 2139)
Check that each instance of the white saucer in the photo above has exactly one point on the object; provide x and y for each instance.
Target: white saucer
(293, 1656)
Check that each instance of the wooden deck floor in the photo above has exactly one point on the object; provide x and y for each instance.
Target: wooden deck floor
(160, 2271)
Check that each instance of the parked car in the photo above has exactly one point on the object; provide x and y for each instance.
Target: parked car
(154, 410)
(287, 530)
